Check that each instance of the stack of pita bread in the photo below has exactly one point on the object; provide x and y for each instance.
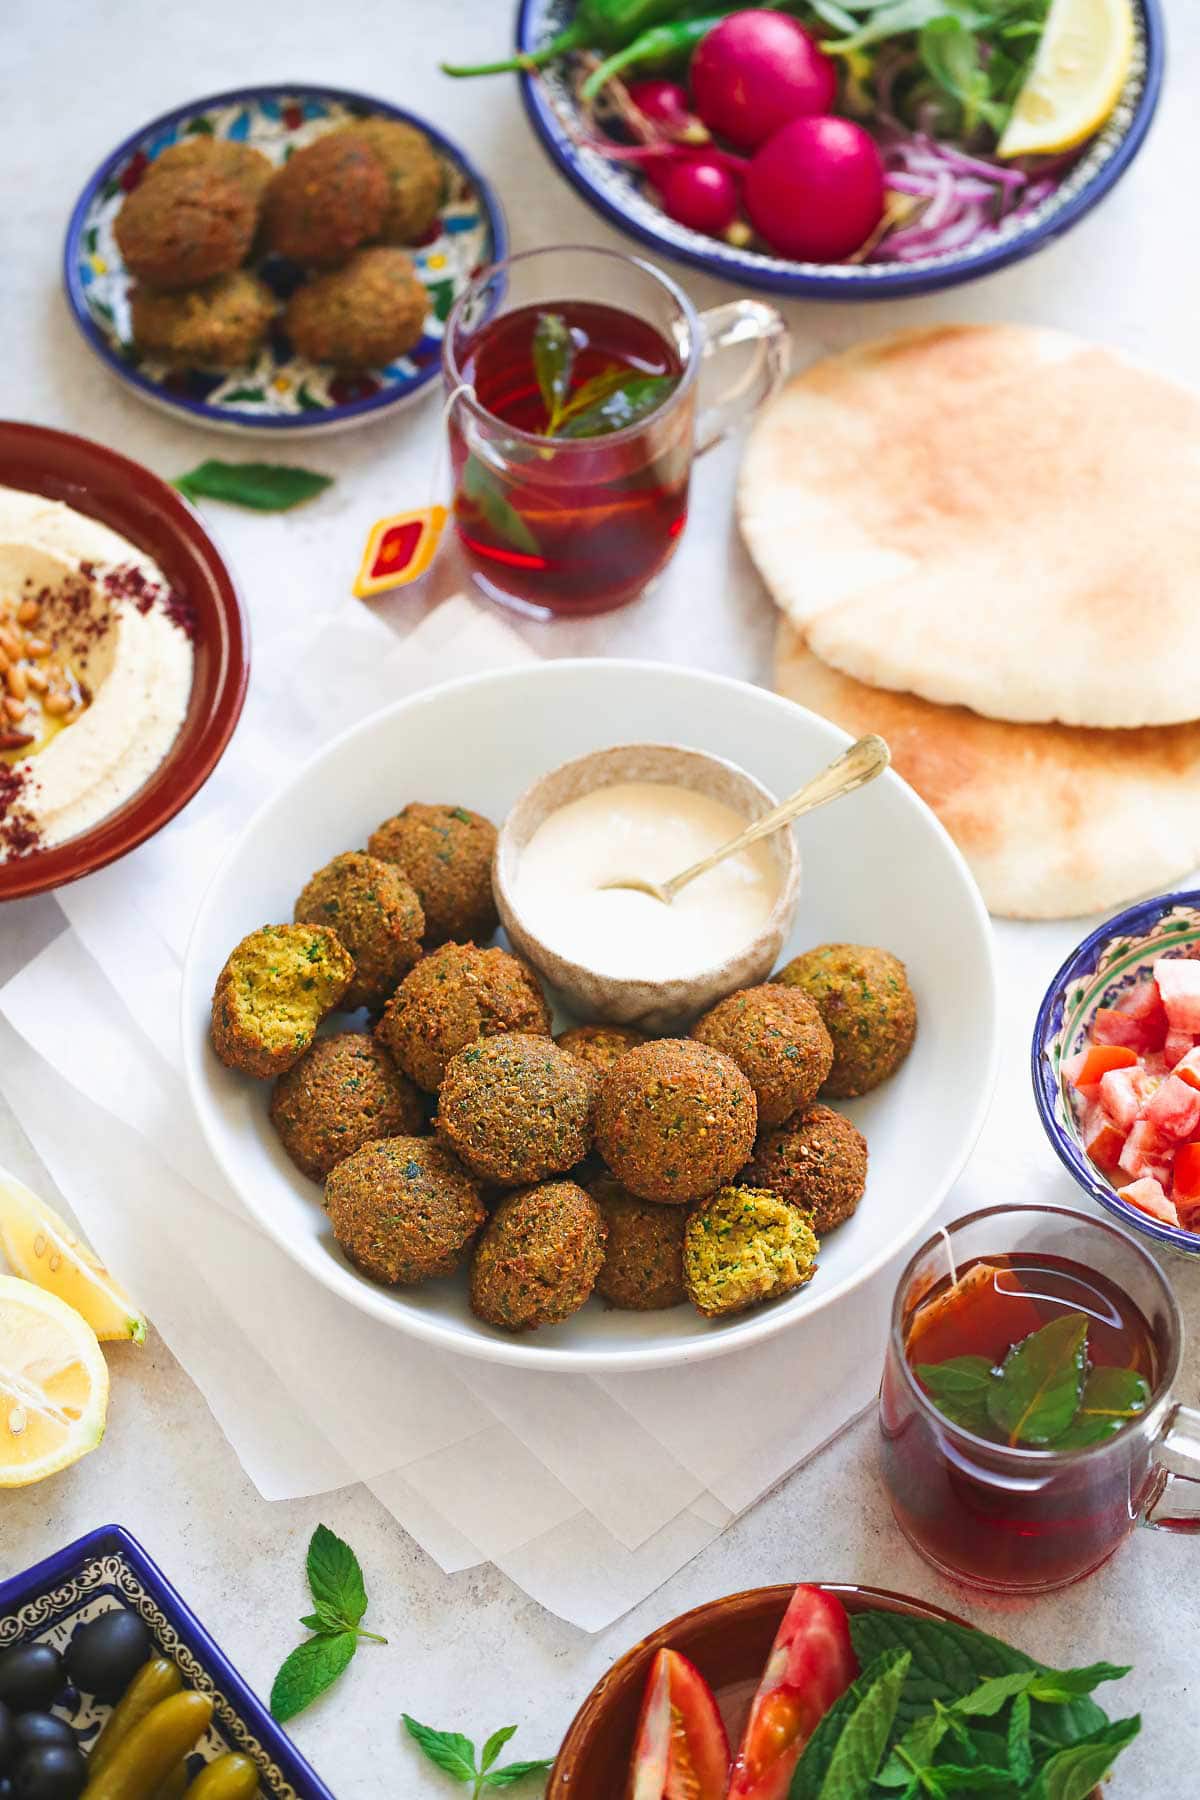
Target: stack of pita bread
(985, 542)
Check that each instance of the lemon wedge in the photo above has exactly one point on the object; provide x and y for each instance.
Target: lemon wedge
(53, 1384)
(42, 1247)
(1078, 72)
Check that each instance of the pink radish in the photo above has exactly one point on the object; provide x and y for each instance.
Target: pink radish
(754, 72)
(665, 103)
(815, 190)
(700, 194)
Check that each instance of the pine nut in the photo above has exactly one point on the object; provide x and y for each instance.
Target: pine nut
(56, 704)
(27, 612)
(10, 643)
(15, 710)
(37, 680)
(36, 647)
(16, 684)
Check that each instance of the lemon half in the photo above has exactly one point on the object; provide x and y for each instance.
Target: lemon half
(53, 1384)
(1078, 72)
(42, 1247)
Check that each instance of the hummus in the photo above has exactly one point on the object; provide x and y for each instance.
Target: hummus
(96, 664)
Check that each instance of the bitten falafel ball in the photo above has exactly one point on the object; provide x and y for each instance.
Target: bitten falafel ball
(862, 994)
(414, 176)
(515, 1109)
(598, 1047)
(377, 915)
(403, 1209)
(745, 1245)
(643, 1259)
(361, 316)
(538, 1258)
(220, 156)
(326, 200)
(674, 1120)
(776, 1038)
(184, 227)
(273, 992)
(219, 325)
(818, 1161)
(446, 852)
(343, 1093)
(453, 997)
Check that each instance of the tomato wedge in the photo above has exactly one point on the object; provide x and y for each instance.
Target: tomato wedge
(811, 1663)
(681, 1751)
(1098, 1059)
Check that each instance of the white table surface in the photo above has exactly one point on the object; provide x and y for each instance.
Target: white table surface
(471, 1652)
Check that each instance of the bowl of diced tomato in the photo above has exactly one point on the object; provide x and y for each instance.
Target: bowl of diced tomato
(1116, 1067)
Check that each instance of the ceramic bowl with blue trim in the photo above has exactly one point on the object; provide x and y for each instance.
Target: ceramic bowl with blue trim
(109, 1569)
(614, 189)
(279, 392)
(1103, 971)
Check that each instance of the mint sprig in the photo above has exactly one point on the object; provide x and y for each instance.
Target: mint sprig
(265, 487)
(335, 1579)
(456, 1756)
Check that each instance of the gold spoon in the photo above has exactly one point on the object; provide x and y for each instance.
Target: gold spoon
(861, 763)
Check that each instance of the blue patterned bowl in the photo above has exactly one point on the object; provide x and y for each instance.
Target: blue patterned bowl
(107, 1568)
(614, 190)
(280, 392)
(1106, 965)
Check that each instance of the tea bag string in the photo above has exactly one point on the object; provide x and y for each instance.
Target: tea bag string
(443, 451)
(949, 1255)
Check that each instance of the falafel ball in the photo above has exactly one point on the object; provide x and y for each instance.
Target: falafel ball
(818, 1161)
(343, 1093)
(326, 200)
(744, 1245)
(453, 997)
(184, 227)
(862, 994)
(414, 176)
(538, 1258)
(403, 1209)
(273, 992)
(446, 852)
(643, 1259)
(776, 1038)
(360, 316)
(220, 156)
(219, 325)
(674, 1120)
(598, 1047)
(377, 915)
(515, 1109)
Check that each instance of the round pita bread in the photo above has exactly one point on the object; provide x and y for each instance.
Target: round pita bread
(999, 517)
(1054, 820)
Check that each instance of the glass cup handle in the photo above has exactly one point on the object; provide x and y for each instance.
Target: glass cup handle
(1172, 1502)
(724, 327)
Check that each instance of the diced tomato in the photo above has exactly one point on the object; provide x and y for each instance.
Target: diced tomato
(1178, 979)
(1186, 1175)
(1174, 1111)
(1121, 1097)
(1140, 1021)
(1086, 1069)
(1148, 1196)
(811, 1663)
(1176, 1047)
(1145, 1154)
(1188, 1069)
(1105, 1147)
(681, 1751)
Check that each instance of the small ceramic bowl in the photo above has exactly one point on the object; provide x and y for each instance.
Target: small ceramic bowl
(655, 1006)
(1105, 966)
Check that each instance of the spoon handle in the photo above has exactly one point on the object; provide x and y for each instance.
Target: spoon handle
(861, 763)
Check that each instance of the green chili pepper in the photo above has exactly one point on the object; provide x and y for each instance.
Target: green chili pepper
(659, 48)
(597, 25)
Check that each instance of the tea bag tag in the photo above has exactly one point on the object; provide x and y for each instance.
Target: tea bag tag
(401, 548)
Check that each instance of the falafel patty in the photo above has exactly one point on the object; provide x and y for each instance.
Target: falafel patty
(184, 227)
(515, 1109)
(446, 852)
(275, 988)
(598, 1047)
(744, 1245)
(862, 994)
(538, 1258)
(343, 1093)
(818, 1161)
(361, 316)
(222, 156)
(414, 176)
(674, 1120)
(377, 915)
(403, 1209)
(218, 325)
(775, 1036)
(643, 1259)
(326, 200)
(453, 997)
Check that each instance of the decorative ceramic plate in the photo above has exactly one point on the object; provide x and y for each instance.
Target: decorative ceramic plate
(109, 1568)
(878, 869)
(1107, 966)
(280, 391)
(614, 190)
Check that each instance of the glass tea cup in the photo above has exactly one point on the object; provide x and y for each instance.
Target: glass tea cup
(1021, 1520)
(562, 527)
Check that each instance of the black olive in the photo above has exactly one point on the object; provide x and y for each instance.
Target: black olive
(105, 1654)
(34, 1728)
(8, 1743)
(31, 1677)
(50, 1772)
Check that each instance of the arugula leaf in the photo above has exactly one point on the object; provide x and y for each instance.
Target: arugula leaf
(553, 360)
(308, 1671)
(1071, 1774)
(513, 1772)
(484, 491)
(267, 487)
(900, 16)
(1110, 1397)
(958, 1388)
(1041, 1382)
(634, 399)
(449, 1751)
(813, 1766)
(951, 55)
(336, 1578)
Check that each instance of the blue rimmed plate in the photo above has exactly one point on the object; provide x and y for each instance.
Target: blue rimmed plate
(109, 1568)
(1107, 966)
(614, 190)
(280, 392)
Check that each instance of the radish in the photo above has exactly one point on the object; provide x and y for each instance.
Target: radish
(754, 72)
(815, 190)
(665, 103)
(699, 193)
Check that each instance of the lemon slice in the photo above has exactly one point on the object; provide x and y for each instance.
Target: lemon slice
(53, 1384)
(43, 1248)
(1076, 79)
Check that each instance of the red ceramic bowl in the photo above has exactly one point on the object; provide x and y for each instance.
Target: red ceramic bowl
(152, 515)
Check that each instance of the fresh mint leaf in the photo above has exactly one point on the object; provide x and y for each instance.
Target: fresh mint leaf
(971, 1778)
(993, 1694)
(1020, 1750)
(811, 1770)
(266, 487)
(308, 1671)
(485, 492)
(1040, 1384)
(1111, 1397)
(1071, 1774)
(495, 1745)
(514, 1772)
(553, 360)
(323, 1621)
(335, 1577)
(1056, 1685)
(636, 398)
(449, 1751)
(591, 392)
(864, 1736)
(958, 1388)
(948, 1660)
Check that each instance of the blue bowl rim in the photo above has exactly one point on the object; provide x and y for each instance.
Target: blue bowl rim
(900, 280)
(1134, 922)
(226, 415)
(114, 1539)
